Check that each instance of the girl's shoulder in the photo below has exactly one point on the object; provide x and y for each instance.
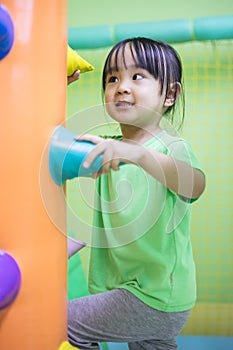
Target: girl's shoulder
(164, 140)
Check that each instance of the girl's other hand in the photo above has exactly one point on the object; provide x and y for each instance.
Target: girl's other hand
(75, 76)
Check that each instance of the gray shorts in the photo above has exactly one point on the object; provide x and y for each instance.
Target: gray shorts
(118, 316)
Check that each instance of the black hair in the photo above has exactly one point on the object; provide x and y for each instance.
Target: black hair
(159, 58)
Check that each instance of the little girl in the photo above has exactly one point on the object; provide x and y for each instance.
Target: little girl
(142, 272)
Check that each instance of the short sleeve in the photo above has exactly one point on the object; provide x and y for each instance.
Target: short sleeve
(182, 150)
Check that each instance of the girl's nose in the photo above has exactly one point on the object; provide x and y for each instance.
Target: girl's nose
(123, 88)
(123, 91)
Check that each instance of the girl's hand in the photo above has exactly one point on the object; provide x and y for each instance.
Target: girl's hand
(114, 152)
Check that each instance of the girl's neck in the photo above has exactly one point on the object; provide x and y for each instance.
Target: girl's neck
(137, 134)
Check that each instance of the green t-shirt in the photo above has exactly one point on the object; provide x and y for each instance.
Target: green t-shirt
(141, 234)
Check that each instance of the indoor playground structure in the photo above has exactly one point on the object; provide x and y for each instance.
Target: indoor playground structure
(44, 197)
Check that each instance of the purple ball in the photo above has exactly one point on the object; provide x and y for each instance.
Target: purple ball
(10, 279)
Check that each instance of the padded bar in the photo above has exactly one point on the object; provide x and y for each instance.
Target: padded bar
(174, 31)
(90, 37)
(213, 28)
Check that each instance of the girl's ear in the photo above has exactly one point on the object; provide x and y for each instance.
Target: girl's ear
(173, 94)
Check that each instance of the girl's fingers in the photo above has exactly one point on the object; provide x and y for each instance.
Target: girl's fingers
(73, 77)
(103, 147)
(109, 160)
(96, 151)
(96, 175)
(90, 138)
(115, 164)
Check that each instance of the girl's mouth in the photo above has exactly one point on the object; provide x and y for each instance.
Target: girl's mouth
(123, 104)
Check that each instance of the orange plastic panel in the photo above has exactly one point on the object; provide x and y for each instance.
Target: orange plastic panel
(33, 93)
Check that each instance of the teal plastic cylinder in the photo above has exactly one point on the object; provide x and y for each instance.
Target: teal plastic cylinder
(66, 156)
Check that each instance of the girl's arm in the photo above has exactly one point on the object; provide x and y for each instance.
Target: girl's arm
(174, 174)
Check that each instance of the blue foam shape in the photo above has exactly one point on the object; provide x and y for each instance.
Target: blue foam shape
(6, 32)
(195, 342)
(191, 342)
(66, 156)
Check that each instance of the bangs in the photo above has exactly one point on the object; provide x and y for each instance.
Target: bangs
(145, 54)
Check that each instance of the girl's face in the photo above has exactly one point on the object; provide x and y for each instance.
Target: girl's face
(132, 94)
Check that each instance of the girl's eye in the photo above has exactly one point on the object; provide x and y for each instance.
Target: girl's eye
(137, 76)
(112, 79)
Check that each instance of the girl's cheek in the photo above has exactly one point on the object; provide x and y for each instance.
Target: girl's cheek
(108, 96)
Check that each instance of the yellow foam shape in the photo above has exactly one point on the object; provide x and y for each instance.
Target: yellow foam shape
(66, 346)
(76, 62)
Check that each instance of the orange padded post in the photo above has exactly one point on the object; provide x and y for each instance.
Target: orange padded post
(33, 93)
